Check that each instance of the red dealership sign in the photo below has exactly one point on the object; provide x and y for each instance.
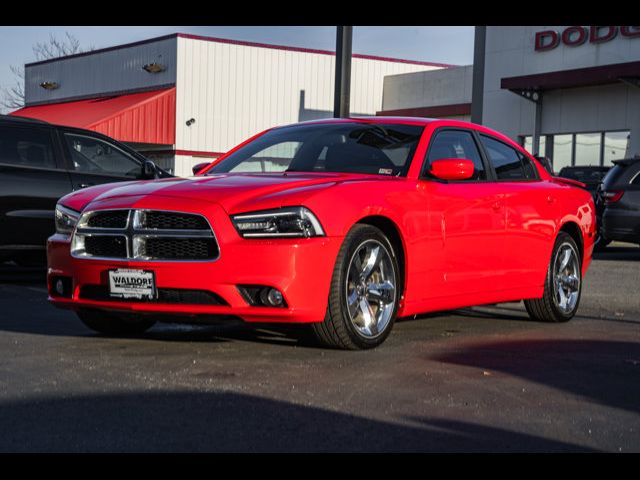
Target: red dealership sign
(578, 35)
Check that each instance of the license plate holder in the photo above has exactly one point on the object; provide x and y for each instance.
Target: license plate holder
(132, 283)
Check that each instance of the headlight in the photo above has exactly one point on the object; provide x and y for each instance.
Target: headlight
(283, 222)
(66, 220)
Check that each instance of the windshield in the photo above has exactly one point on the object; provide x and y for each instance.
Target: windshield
(373, 148)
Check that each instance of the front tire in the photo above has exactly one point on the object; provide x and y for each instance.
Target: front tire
(114, 324)
(364, 294)
(563, 284)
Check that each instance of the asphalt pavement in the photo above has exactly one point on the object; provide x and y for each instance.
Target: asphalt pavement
(483, 379)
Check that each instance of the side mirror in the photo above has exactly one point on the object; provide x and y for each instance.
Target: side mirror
(452, 169)
(149, 170)
(199, 166)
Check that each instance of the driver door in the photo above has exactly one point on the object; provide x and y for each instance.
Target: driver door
(93, 160)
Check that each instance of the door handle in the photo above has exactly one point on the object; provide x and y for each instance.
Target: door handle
(551, 199)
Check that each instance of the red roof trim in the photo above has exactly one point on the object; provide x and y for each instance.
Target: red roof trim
(146, 117)
(429, 112)
(238, 42)
(307, 50)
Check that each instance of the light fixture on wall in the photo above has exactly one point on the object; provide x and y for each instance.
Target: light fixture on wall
(154, 67)
(190, 122)
(49, 85)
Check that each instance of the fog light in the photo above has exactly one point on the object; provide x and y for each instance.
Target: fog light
(262, 296)
(60, 287)
(273, 297)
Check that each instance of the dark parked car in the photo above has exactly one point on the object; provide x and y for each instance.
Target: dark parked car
(41, 162)
(592, 177)
(620, 196)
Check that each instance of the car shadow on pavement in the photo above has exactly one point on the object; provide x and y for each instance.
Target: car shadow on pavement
(603, 371)
(166, 421)
(628, 252)
(11, 273)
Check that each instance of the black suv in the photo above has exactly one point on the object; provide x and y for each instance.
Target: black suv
(620, 196)
(39, 163)
(592, 177)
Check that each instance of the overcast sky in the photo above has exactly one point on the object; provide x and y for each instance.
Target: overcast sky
(437, 44)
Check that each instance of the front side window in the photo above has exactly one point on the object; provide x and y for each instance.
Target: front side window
(93, 155)
(26, 147)
(456, 144)
(509, 163)
(353, 147)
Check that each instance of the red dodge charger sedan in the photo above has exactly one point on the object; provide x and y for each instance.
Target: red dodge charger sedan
(341, 224)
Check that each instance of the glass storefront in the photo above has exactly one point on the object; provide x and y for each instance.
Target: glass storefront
(587, 149)
(594, 148)
(528, 144)
(615, 146)
(562, 151)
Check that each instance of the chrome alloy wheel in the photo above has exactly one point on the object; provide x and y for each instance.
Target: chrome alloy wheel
(370, 288)
(566, 278)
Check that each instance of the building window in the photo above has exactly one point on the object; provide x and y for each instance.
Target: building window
(528, 144)
(562, 151)
(615, 146)
(597, 148)
(588, 149)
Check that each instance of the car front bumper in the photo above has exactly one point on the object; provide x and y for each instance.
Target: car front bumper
(300, 269)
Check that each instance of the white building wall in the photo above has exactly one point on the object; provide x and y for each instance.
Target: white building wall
(449, 86)
(235, 91)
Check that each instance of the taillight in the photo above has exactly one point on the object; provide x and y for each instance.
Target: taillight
(612, 196)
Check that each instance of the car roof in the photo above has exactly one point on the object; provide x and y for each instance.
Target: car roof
(626, 161)
(19, 119)
(586, 167)
(421, 121)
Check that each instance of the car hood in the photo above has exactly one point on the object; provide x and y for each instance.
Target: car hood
(234, 191)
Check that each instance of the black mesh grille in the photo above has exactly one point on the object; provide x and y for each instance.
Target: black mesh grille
(165, 295)
(174, 221)
(109, 219)
(106, 246)
(180, 248)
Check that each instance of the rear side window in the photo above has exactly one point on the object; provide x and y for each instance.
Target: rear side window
(509, 163)
(622, 174)
(456, 144)
(26, 147)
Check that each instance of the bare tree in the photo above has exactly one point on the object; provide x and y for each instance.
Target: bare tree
(13, 96)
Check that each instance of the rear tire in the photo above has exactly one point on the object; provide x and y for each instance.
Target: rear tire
(563, 284)
(115, 324)
(364, 294)
(600, 242)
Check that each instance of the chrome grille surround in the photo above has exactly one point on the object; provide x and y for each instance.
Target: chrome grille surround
(136, 233)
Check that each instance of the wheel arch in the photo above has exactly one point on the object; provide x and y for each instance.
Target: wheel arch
(573, 230)
(391, 230)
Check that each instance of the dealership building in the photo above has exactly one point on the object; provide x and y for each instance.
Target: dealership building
(571, 93)
(183, 99)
